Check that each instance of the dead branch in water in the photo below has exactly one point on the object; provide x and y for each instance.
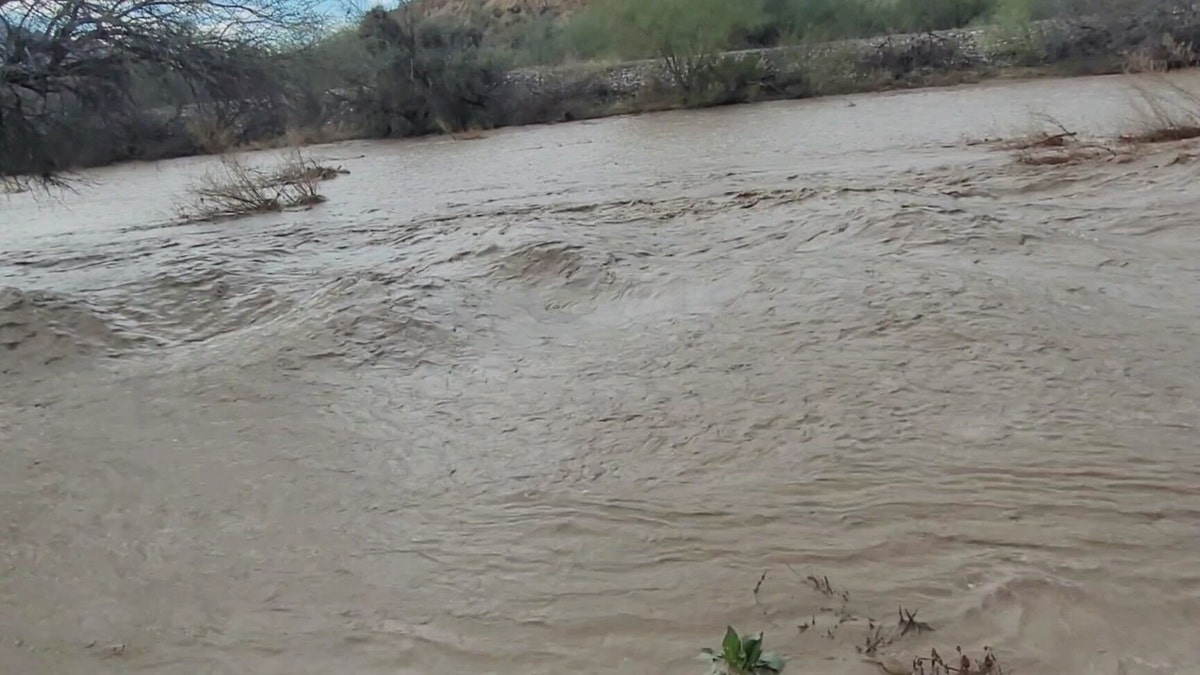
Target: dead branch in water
(297, 168)
(880, 636)
(236, 189)
(1044, 139)
(1058, 147)
(908, 623)
(822, 586)
(963, 664)
(877, 637)
(1073, 154)
(1169, 113)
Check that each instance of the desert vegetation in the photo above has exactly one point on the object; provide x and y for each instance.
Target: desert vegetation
(236, 188)
(93, 81)
(879, 642)
(743, 655)
(1168, 112)
(87, 82)
(625, 29)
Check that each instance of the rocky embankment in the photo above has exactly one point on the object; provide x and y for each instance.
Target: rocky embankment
(1091, 45)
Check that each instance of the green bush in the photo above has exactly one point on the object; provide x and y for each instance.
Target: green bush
(537, 42)
(743, 655)
(687, 35)
(588, 36)
(1011, 36)
(821, 20)
(733, 78)
(911, 16)
(426, 75)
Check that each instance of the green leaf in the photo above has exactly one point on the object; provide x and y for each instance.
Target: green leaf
(751, 651)
(770, 662)
(732, 647)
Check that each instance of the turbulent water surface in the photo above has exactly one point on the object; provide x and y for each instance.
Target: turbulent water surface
(554, 400)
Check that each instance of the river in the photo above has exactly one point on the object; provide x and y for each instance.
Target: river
(554, 400)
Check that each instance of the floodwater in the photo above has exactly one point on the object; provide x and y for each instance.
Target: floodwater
(553, 401)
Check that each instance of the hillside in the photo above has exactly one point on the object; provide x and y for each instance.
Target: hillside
(504, 12)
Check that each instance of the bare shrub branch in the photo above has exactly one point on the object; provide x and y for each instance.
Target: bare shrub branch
(74, 71)
(1170, 112)
(237, 189)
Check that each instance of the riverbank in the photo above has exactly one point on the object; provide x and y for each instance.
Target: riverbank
(510, 406)
(1161, 40)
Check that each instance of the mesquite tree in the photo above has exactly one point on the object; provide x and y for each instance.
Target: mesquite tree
(75, 73)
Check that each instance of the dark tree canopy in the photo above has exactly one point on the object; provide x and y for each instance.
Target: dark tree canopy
(70, 69)
(427, 74)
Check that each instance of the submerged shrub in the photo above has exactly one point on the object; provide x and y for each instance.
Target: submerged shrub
(237, 189)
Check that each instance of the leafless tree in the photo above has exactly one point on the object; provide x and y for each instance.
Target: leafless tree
(63, 61)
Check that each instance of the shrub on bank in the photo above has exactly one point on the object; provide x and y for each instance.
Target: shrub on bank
(425, 75)
(407, 71)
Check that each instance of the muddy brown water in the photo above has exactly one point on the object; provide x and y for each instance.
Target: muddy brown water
(552, 401)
